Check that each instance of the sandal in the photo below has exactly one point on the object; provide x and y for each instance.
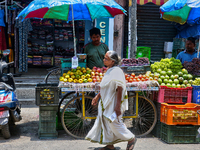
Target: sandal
(132, 144)
(106, 148)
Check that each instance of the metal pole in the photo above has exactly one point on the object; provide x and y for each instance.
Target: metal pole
(133, 27)
(198, 48)
(74, 35)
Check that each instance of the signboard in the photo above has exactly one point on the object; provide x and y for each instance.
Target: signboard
(103, 25)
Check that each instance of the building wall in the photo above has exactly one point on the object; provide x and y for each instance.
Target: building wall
(119, 28)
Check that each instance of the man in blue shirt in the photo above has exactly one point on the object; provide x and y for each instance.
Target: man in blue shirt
(189, 53)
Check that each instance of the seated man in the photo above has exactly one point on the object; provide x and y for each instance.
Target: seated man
(189, 53)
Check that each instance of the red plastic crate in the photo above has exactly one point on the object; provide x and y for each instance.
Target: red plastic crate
(175, 95)
(185, 114)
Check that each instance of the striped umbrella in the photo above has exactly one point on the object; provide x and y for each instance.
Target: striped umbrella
(70, 10)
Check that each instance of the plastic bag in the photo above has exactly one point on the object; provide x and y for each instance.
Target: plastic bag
(2, 18)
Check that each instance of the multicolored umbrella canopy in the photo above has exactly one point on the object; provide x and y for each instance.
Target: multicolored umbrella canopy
(181, 11)
(184, 11)
(70, 10)
(62, 9)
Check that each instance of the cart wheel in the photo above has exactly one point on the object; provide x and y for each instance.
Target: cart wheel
(53, 76)
(66, 98)
(147, 117)
(5, 131)
(72, 118)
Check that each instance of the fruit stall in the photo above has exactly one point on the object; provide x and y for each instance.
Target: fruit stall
(173, 88)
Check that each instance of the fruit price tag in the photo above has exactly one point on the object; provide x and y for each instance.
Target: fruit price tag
(74, 62)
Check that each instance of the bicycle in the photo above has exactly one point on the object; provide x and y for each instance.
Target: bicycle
(78, 115)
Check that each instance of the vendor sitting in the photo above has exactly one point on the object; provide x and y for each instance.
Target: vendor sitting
(189, 53)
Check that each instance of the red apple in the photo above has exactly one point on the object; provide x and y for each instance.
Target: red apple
(94, 80)
(104, 68)
(97, 77)
(94, 68)
(99, 70)
(93, 77)
(96, 73)
(133, 74)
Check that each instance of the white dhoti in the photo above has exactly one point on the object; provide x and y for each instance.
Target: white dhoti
(104, 130)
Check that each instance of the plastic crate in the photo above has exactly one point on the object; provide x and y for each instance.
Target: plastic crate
(196, 94)
(158, 108)
(47, 94)
(66, 63)
(136, 69)
(58, 124)
(175, 95)
(156, 130)
(47, 122)
(180, 114)
(143, 52)
(71, 119)
(179, 134)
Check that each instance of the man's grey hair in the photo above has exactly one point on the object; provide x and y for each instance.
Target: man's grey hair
(114, 56)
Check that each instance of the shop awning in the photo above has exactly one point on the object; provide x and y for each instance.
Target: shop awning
(157, 2)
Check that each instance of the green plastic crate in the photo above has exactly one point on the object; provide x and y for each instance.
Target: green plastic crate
(143, 52)
(71, 119)
(47, 94)
(47, 122)
(179, 134)
(156, 130)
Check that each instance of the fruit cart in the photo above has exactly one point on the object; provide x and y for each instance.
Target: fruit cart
(78, 115)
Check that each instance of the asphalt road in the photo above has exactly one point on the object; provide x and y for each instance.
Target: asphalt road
(24, 136)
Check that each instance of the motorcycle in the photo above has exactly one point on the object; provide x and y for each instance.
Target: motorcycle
(10, 108)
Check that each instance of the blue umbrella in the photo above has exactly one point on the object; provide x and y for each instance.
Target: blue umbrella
(184, 11)
(189, 31)
(70, 10)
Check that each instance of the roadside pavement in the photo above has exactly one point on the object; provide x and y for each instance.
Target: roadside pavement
(24, 136)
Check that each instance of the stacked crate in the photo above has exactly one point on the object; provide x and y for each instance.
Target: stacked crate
(47, 98)
(178, 120)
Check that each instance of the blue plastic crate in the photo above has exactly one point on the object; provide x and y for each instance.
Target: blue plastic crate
(196, 94)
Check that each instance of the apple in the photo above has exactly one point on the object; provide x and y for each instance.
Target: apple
(94, 80)
(176, 81)
(93, 77)
(185, 82)
(98, 70)
(100, 74)
(92, 73)
(104, 68)
(99, 80)
(133, 74)
(97, 77)
(94, 68)
(176, 76)
(96, 73)
(101, 77)
(130, 80)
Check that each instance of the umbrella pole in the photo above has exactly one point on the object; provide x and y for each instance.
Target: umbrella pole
(198, 48)
(74, 35)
